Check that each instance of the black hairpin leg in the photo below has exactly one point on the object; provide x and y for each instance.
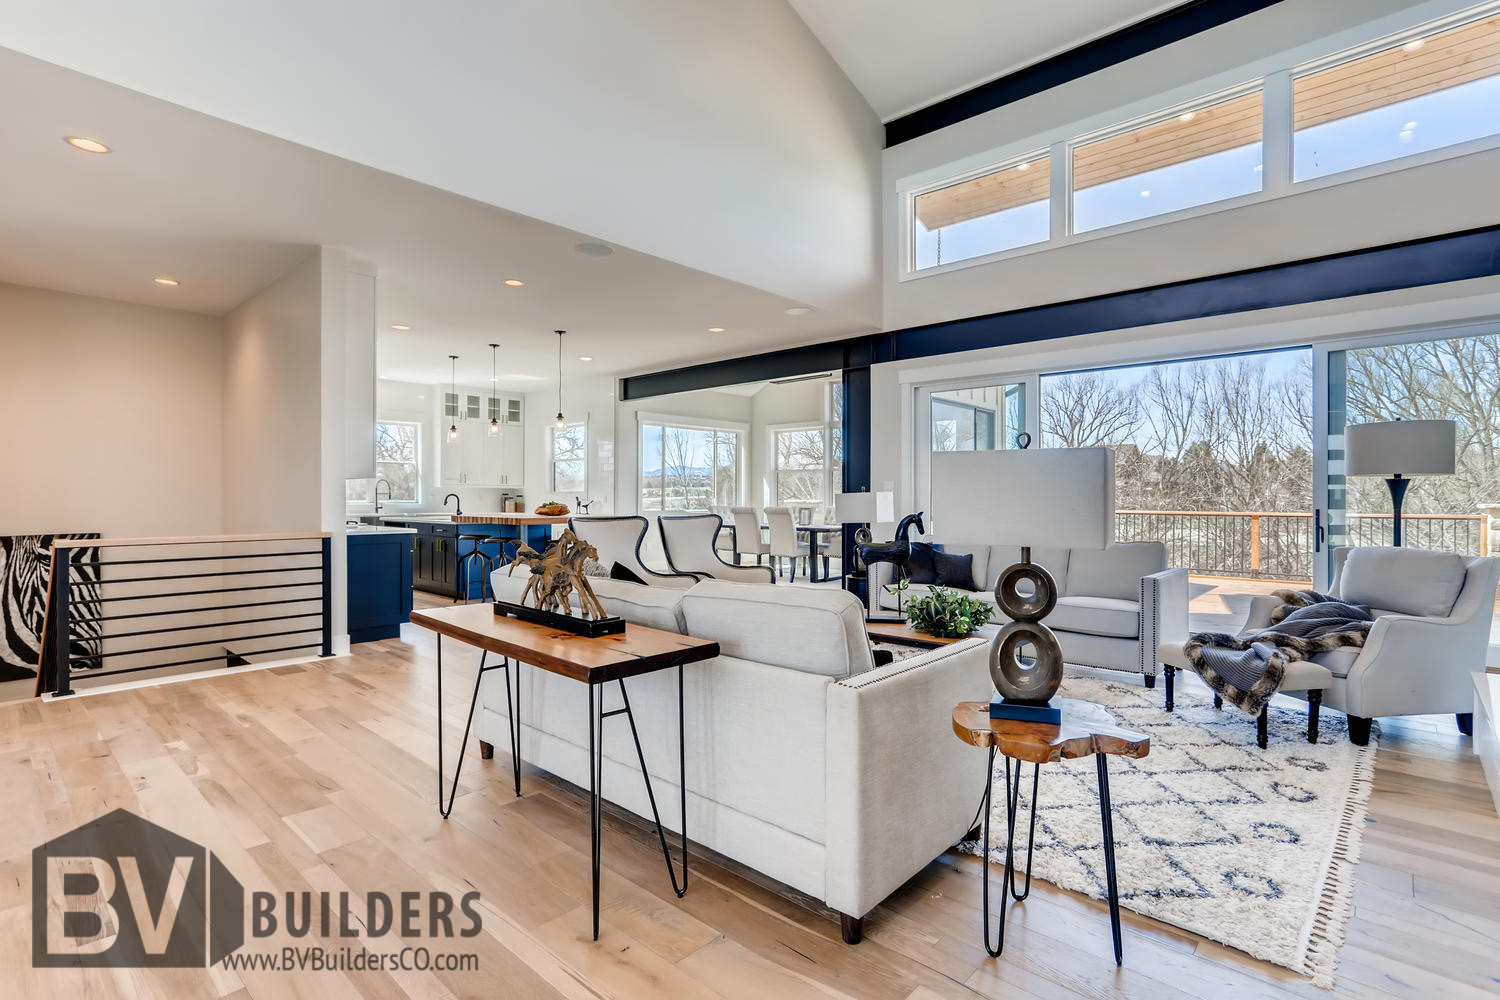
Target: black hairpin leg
(447, 810)
(1008, 883)
(1107, 819)
(597, 715)
(512, 709)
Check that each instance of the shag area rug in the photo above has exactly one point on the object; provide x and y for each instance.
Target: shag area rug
(1252, 848)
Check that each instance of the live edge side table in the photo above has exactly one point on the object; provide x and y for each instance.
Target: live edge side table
(1080, 734)
(594, 662)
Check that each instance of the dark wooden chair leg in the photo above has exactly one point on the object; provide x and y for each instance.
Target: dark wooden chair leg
(1150, 682)
(1171, 677)
(1359, 731)
(1465, 722)
(486, 750)
(1260, 727)
(853, 928)
(1314, 704)
(1218, 702)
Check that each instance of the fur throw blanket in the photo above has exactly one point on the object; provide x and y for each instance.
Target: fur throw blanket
(1246, 670)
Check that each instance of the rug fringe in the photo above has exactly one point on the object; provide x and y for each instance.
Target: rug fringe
(1336, 895)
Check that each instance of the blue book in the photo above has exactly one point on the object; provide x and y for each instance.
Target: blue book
(1002, 709)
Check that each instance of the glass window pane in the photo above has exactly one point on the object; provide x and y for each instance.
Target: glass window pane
(1200, 156)
(1410, 98)
(977, 418)
(1000, 211)
(651, 467)
(800, 466)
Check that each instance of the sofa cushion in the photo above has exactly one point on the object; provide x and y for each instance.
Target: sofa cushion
(1115, 571)
(953, 571)
(816, 630)
(1097, 616)
(1409, 581)
(654, 607)
(921, 564)
(1003, 557)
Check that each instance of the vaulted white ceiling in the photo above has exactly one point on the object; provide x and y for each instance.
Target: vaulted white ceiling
(906, 54)
(225, 210)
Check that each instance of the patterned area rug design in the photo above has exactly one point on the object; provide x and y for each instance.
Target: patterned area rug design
(1252, 848)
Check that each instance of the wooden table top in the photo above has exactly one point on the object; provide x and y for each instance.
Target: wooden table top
(1081, 733)
(638, 650)
(902, 634)
(517, 519)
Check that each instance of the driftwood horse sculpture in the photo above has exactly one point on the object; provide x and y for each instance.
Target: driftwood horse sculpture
(557, 573)
(896, 551)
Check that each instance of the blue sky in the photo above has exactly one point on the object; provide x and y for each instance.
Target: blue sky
(1447, 117)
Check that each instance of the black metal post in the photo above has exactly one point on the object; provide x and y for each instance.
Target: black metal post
(596, 780)
(1005, 884)
(1314, 704)
(651, 795)
(1171, 673)
(1036, 771)
(328, 610)
(61, 628)
(463, 746)
(1107, 821)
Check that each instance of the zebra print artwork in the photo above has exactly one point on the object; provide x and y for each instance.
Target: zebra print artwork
(25, 571)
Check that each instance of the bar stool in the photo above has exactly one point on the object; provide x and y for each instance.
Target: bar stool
(466, 562)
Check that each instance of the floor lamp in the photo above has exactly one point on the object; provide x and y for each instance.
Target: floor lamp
(1397, 449)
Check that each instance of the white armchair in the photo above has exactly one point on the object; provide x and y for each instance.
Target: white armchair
(688, 541)
(618, 540)
(1432, 625)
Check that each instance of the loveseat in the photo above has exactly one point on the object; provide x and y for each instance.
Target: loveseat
(804, 761)
(1115, 606)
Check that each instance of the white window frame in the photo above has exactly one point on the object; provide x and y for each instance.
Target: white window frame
(552, 454)
(773, 465)
(670, 420)
(1276, 146)
(418, 428)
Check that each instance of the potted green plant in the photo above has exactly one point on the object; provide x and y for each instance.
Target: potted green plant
(947, 614)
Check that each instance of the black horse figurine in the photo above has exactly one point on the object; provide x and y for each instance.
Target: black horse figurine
(897, 550)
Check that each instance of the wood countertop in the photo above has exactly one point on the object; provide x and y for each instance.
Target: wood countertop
(499, 518)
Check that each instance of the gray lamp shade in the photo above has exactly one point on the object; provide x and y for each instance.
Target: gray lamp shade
(1400, 448)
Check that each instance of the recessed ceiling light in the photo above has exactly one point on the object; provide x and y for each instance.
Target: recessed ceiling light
(1023, 166)
(716, 329)
(514, 282)
(1409, 126)
(86, 144)
(399, 326)
(594, 249)
(1145, 194)
(1187, 116)
(1414, 44)
(169, 282)
(584, 357)
(798, 311)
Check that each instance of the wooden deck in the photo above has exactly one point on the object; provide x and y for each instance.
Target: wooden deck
(321, 777)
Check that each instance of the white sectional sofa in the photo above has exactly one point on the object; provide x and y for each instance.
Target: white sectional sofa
(1115, 606)
(804, 761)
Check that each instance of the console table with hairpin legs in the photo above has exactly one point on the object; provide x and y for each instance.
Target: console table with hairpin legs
(1081, 734)
(594, 662)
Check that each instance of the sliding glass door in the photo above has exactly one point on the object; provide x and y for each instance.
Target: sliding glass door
(1454, 375)
(981, 415)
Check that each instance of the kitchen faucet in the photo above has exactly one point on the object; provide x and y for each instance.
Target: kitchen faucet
(458, 507)
(377, 493)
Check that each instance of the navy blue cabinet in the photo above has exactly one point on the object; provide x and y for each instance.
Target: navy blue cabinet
(380, 582)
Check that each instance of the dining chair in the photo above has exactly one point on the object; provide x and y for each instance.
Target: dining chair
(748, 539)
(724, 541)
(784, 543)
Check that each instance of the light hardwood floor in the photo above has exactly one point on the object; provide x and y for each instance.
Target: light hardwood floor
(321, 776)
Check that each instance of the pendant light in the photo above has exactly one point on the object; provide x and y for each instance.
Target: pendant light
(494, 379)
(453, 384)
(560, 421)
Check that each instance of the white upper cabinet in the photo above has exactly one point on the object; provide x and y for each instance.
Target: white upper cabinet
(478, 458)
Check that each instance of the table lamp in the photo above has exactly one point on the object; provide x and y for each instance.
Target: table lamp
(1052, 497)
(863, 508)
(1396, 449)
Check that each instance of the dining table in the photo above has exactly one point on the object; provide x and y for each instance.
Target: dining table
(815, 541)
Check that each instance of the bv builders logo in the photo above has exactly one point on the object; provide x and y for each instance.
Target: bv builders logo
(123, 892)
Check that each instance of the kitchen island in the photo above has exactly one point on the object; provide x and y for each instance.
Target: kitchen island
(379, 581)
(437, 549)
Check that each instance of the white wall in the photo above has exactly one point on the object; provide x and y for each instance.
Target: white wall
(112, 416)
(789, 403)
(1438, 197)
(590, 398)
(717, 135)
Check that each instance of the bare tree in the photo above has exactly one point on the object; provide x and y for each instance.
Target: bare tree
(1087, 410)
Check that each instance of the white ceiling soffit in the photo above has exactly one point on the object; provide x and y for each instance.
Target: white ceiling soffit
(903, 55)
(224, 210)
(718, 135)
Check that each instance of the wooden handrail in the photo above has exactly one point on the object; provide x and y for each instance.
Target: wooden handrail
(92, 543)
